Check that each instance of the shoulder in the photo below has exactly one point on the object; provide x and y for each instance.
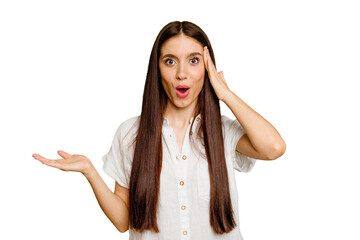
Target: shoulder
(231, 127)
(228, 123)
(126, 125)
(225, 120)
(128, 129)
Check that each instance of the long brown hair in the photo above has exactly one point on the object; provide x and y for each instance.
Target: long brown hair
(147, 161)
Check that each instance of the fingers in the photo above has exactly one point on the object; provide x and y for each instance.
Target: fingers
(54, 163)
(39, 157)
(222, 75)
(210, 67)
(64, 154)
(206, 56)
(49, 162)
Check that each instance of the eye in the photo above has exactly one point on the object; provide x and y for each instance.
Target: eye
(167, 60)
(197, 59)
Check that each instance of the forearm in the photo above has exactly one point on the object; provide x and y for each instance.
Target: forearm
(113, 206)
(263, 136)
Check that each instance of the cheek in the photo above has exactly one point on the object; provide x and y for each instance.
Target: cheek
(166, 74)
(198, 76)
(198, 84)
(165, 84)
(198, 72)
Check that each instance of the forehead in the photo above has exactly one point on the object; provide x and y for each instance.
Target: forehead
(180, 45)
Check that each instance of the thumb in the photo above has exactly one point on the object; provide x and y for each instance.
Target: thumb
(222, 74)
(64, 154)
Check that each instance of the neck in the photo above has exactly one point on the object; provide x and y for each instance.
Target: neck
(179, 117)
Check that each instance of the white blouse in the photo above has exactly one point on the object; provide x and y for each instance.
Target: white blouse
(184, 196)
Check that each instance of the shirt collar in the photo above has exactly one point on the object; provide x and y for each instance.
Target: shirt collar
(197, 120)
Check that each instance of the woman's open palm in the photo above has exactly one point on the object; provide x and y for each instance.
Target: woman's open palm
(68, 162)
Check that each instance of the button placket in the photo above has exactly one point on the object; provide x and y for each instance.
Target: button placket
(180, 170)
(183, 200)
(181, 166)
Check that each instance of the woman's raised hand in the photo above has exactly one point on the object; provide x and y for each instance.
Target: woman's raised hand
(68, 162)
(216, 78)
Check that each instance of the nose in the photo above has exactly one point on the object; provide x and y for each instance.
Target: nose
(181, 72)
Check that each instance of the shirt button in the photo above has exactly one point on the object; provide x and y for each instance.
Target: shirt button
(183, 207)
(198, 119)
(170, 135)
(184, 157)
(181, 183)
(185, 232)
(177, 157)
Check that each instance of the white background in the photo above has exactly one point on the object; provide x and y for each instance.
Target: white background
(72, 71)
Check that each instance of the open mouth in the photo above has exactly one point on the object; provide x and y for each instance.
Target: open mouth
(182, 90)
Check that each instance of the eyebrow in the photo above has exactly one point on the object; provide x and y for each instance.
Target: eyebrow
(173, 56)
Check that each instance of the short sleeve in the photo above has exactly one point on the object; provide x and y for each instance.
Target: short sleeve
(117, 162)
(233, 131)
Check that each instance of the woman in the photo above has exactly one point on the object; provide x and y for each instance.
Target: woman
(173, 164)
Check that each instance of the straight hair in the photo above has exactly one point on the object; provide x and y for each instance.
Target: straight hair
(147, 160)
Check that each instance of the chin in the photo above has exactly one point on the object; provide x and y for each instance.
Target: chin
(184, 103)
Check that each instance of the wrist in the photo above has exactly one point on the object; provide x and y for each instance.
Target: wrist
(89, 171)
(228, 95)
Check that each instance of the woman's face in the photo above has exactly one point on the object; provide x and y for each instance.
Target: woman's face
(181, 63)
